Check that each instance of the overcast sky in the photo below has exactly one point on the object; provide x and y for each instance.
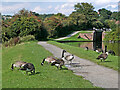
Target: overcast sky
(10, 7)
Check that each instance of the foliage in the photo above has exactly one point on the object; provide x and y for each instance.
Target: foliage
(12, 42)
(98, 24)
(24, 23)
(45, 26)
(27, 38)
(114, 34)
(54, 25)
(77, 19)
(87, 10)
(16, 40)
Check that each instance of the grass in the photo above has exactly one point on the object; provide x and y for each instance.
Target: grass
(74, 38)
(46, 76)
(111, 61)
(0, 66)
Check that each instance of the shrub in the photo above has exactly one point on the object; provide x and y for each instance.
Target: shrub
(27, 38)
(12, 41)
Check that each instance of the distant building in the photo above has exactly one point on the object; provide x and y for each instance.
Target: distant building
(6, 17)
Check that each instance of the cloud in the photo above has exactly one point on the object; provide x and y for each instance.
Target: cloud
(42, 10)
(12, 9)
(66, 8)
(38, 9)
(50, 7)
(112, 6)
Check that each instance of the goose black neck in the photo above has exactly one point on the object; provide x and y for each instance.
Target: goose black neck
(43, 61)
(105, 48)
(63, 54)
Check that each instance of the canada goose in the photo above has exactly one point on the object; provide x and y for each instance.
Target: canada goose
(86, 48)
(28, 67)
(49, 59)
(67, 57)
(111, 52)
(58, 63)
(99, 50)
(103, 56)
(18, 64)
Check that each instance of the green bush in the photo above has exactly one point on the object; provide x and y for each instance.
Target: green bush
(12, 41)
(27, 38)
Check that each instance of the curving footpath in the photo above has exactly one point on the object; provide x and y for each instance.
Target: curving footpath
(98, 75)
(72, 34)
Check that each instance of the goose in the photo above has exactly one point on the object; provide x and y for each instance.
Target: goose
(28, 67)
(111, 52)
(67, 57)
(86, 48)
(18, 64)
(99, 50)
(49, 59)
(58, 63)
(103, 56)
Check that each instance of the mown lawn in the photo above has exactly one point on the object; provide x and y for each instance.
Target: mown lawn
(74, 38)
(46, 76)
(111, 61)
(0, 66)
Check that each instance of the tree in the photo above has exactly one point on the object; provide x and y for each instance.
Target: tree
(87, 10)
(104, 14)
(25, 23)
(51, 24)
(77, 19)
(98, 24)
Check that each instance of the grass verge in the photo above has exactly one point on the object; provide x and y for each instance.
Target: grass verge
(111, 61)
(74, 38)
(46, 76)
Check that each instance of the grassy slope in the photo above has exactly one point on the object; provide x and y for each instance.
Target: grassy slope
(74, 38)
(111, 61)
(46, 76)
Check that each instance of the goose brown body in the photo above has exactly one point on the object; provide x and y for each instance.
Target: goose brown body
(67, 57)
(99, 50)
(58, 63)
(18, 64)
(103, 56)
(28, 67)
(49, 59)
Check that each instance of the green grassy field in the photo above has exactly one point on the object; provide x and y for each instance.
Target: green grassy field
(46, 76)
(74, 38)
(0, 66)
(111, 61)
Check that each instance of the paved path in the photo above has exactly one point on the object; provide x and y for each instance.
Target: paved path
(68, 35)
(98, 75)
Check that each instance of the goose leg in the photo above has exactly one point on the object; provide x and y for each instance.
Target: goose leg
(60, 67)
(26, 72)
(70, 62)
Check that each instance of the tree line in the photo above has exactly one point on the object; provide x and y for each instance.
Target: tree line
(45, 26)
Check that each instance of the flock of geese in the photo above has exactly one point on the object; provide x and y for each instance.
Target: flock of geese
(104, 54)
(29, 67)
(59, 62)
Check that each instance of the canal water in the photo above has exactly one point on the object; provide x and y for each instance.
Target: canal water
(92, 46)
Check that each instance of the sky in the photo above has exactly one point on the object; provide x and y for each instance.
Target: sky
(11, 7)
